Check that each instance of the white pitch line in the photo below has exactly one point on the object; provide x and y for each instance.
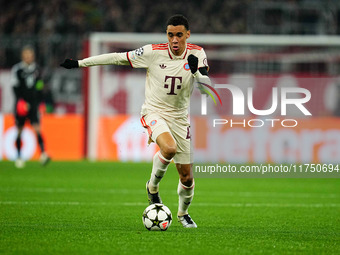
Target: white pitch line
(198, 192)
(77, 203)
(71, 190)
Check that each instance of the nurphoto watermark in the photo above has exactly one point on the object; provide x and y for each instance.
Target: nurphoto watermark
(263, 128)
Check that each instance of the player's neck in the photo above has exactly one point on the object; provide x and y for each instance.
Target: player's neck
(178, 54)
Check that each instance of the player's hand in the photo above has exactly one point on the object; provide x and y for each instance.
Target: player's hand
(193, 63)
(70, 63)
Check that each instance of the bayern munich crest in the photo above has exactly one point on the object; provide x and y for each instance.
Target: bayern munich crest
(186, 67)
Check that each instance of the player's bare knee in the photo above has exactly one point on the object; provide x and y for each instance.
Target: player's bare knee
(169, 151)
(187, 180)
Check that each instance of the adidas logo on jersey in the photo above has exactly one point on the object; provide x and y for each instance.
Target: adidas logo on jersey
(162, 66)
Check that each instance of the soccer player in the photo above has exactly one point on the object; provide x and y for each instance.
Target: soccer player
(171, 68)
(27, 87)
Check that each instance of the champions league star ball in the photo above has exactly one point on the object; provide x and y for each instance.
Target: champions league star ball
(157, 217)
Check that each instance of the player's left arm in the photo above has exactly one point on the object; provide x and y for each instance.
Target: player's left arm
(39, 86)
(199, 69)
(198, 62)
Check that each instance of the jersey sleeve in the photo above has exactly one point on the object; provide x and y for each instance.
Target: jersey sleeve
(14, 76)
(202, 59)
(105, 59)
(141, 58)
(15, 83)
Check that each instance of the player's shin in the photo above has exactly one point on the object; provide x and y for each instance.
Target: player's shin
(185, 195)
(18, 145)
(159, 167)
(40, 142)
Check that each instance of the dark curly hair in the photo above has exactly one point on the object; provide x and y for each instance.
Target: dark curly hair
(177, 20)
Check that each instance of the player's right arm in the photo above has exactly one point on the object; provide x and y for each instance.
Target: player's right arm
(104, 59)
(16, 82)
(138, 58)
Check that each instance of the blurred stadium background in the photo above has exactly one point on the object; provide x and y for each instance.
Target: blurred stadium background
(74, 206)
(293, 42)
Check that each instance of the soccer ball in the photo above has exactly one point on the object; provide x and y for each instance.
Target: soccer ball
(157, 217)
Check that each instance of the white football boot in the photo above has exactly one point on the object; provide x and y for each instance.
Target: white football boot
(186, 221)
(19, 163)
(152, 198)
(44, 159)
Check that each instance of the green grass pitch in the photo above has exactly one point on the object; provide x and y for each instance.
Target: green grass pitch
(96, 208)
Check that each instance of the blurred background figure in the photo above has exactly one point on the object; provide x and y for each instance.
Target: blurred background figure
(28, 89)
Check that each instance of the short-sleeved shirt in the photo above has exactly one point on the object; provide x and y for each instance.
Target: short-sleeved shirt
(169, 81)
